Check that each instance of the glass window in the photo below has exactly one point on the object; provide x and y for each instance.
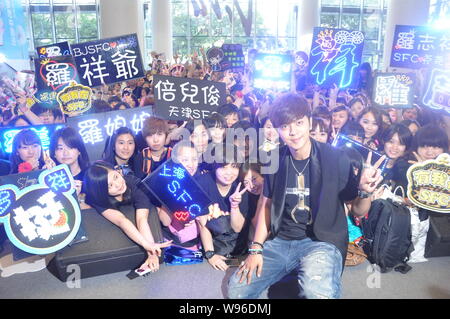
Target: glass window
(243, 26)
(332, 3)
(179, 18)
(350, 21)
(352, 3)
(287, 19)
(87, 25)
(372, 3)
(180, 45)
(65, 26)
(329, 20)
(63, 20)
(371, 25)
(42, 25)
(266, 18)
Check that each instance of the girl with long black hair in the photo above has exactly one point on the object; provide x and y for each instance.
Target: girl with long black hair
(121, 152)
(107, 190)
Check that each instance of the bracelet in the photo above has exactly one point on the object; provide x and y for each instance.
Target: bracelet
(255, 252)
(256, 243)
(255, 249)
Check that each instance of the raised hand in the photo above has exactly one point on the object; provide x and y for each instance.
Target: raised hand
(418, 158)
(236, 197)
(371, 175)
(49, 163)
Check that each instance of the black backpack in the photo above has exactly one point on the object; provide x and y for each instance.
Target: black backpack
(387, 235)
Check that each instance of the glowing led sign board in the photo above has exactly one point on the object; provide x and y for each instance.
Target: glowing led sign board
(44, 133)
(176, 189)
(42, 218)
(335, 57)
(95, 128)
(437, 92)
(416, 47)
(393, 90)
(272, 71)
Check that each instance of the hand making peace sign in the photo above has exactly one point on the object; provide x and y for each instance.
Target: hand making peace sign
(236, 197)
(371, 175)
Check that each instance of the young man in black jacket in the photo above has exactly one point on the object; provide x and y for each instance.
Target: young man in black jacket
(301, 222)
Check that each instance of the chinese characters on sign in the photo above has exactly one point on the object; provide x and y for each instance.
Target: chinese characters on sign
(429, 184)
(108, 60)
(55, 73)
(44, 133)
(416, 47)
(95, 129)
(233, 57)
(335, 56)
(272, 71)
(176, 189)
(393, 90)
(185, 98)
(75, 99)
(437, 93)
(42, 218)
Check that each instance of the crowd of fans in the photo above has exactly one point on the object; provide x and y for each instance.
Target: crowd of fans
(234, 186)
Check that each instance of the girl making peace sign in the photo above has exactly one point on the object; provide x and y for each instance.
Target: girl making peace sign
(220, 230)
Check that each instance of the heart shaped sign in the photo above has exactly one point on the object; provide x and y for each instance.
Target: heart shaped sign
(67, 68)
(181, 216)
(113, 44)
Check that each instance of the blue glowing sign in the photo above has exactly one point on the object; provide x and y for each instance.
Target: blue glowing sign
(416, 47)
(44, 133)
(95, 128)
(176, 189)
(272, 71)
(335, 57)
(42, 218)
(437, 93)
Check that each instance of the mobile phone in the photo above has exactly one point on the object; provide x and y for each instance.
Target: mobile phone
(344, 141)
(232, 262)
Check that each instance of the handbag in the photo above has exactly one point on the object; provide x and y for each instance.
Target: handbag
(355, 255)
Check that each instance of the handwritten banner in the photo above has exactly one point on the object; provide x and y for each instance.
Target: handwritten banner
(185, 98)
(335, 57)
(437, 92)
(109, 60)
(393, 90)
(416, 47)
(429, 184)
(176, 189)
(95, 128)
(42, 218)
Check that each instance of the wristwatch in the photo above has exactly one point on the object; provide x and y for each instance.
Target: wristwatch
(363, 194)
(209, 254)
